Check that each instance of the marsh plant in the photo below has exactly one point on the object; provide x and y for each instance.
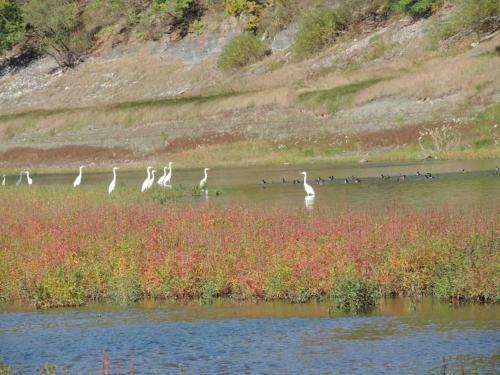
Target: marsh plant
(433, 141)
(71, 252)
(355, 295)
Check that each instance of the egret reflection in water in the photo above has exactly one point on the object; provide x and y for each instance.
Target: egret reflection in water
(309, 201)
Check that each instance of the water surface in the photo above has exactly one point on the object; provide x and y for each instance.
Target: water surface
(478, 188)
(263, 338)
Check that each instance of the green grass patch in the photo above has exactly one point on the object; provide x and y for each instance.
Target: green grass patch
(336, 99)
(139, 104)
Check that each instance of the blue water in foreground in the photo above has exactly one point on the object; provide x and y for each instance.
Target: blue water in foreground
(246, 338)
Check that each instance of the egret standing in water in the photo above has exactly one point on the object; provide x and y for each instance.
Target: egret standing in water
(308, 188)
(3, 181)
(20, 179)
(112, 185)
(168, 178)
(203, 182)
(30, 181)
(78, 179)
(147, 182)
(160, 180)
(165, 179)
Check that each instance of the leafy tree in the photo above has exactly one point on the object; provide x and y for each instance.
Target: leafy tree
(57, 29)
(11, 24)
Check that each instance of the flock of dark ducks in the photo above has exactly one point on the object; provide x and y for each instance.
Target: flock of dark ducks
(356, 180)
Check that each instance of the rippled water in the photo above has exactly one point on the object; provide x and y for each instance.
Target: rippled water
(229, 338)
(478, 188)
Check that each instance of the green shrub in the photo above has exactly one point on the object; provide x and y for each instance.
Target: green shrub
(11, 24)
(242, 50)
(208, 292)
(318, 29)
(415, 8)
(351, 294)
(175, 7)
(236, 7)
(60, 289)
(470, 16)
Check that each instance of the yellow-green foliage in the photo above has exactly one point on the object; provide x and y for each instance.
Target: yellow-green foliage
(60, 288)
(318, 29)
(242, 50)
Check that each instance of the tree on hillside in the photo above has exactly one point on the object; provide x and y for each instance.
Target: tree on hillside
(56, 28)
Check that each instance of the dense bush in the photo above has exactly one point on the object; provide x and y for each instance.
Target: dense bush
(318, 28)
(415, 8)
(11, 24)
(242, 50)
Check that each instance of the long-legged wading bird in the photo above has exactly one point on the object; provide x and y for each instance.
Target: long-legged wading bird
(308, 188)
(162, 178)
(112, 185)
(168, 177)
(3, 180)
(152, 178)
(203, 182)
(146, 184)
(30, 181)
(20, 179)
(78, 179)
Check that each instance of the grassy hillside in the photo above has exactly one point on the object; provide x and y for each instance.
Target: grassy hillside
(243, 82)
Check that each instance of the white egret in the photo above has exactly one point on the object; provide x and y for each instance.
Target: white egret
(168, 177)
(146, 184)
(203, 182)
(3, 181)
(78, 179)
(112, 185)
(152, 178)
(30, 181)
(20, 179)
(160, 180)
(308, 188)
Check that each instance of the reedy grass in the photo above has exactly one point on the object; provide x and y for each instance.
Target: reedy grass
(61, 251)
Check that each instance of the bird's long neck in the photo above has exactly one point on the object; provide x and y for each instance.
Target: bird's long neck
(114, 174)
(81, 170)
(206, 175)
(305, 179)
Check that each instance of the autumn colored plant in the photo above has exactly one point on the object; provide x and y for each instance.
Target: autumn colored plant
(65, 249)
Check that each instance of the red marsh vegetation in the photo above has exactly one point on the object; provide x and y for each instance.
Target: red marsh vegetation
(60, 252)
